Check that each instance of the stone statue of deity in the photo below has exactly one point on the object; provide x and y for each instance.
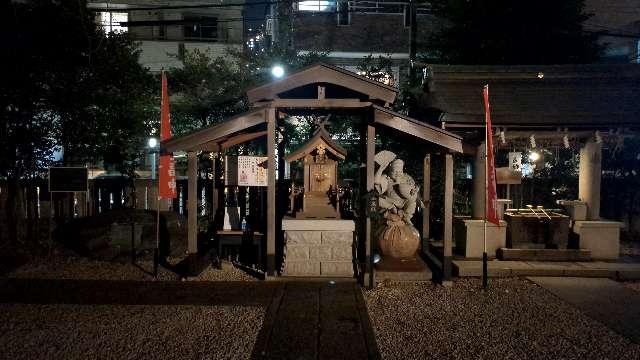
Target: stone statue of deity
(396, 200)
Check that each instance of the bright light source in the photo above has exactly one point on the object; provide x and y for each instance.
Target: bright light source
(153, 142)
(277, 71)
(376, 258)
(534, 156)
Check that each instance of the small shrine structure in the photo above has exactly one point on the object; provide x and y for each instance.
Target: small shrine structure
(320, 157)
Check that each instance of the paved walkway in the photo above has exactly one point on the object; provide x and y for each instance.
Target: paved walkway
(317, 320)
(304, 319)
(601, 299)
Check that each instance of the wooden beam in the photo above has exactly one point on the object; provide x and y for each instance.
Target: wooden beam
(192, 203)
(242, 138)
(316, 103)
(426, 197)
(448, 218)
(421, 130)
(197, 140)
(222, 144)
(271, 191)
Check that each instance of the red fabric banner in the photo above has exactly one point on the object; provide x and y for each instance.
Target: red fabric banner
(167, 166)
(491, 198)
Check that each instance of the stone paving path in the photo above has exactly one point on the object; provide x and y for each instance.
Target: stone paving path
(317, 320)
(601, 299)
(304, 319)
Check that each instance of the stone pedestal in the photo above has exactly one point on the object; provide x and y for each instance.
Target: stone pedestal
(601, 237)
(469, 237)
(318, 247)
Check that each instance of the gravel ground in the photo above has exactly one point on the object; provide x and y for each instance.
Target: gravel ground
(514, 319)
(78, 268)
(128, 332)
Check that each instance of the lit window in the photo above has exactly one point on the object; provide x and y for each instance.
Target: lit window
(317, 5)
(344, 15)
(110, 21)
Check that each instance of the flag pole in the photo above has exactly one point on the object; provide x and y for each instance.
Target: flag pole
(486, 196)
(156, 250)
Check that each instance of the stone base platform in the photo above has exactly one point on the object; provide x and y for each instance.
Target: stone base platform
(544, 254)
(318, 248)
(618, 271)
(402, 271)
(602, 238)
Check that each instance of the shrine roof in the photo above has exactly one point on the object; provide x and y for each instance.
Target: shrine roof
(321, 137)
(220, 136)
(322, 73)
(595, 95)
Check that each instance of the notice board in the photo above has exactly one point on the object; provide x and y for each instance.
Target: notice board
(68, 179)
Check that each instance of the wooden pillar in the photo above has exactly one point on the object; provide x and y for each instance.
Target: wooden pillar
(192, 203)
(479, 172)
(590, 177)
(371, 152)
(448, 218)
(214, 188)
(271, 191)
(426, 199)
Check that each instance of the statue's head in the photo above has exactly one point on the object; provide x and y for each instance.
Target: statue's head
(396, 169)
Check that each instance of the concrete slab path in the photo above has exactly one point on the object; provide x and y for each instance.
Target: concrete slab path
(317, 320)
(601, 299)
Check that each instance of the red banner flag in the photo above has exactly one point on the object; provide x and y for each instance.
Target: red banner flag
(491, 199)
(167, 166)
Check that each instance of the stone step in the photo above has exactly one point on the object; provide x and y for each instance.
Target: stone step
(544, 254)
(497, 268)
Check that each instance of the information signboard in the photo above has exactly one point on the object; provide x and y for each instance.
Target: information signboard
(246, 170)
(68, 179)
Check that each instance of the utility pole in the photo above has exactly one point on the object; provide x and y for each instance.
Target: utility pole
(412, 41)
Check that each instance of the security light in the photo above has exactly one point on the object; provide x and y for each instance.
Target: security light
(153, 142)
(277, 71)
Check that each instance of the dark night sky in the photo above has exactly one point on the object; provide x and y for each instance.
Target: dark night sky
(256, 11)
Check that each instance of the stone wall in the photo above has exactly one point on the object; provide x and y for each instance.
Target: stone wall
(318, 253)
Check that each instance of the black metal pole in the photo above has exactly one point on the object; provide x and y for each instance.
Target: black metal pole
(133, 244)
(484, 270)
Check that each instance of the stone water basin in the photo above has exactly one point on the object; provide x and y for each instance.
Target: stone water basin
(528, 230)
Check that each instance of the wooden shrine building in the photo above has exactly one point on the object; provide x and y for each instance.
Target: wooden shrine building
(319, 89)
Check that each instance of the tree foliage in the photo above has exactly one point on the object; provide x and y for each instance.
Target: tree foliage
(67, 86)
(206, 90)
(512, 32)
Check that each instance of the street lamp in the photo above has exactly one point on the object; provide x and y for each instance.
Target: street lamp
(277, 71)
(153, 143)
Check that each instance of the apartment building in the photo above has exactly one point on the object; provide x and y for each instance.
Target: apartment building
(166, 29)
(352, 30)
(618, 23)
